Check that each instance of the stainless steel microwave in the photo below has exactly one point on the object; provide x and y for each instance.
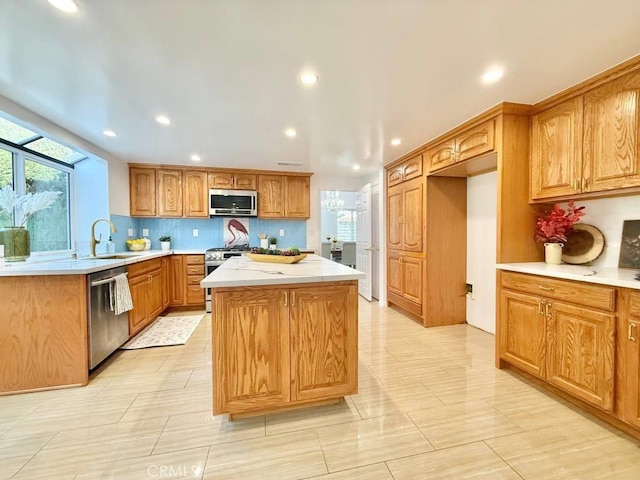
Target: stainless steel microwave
(233, 203)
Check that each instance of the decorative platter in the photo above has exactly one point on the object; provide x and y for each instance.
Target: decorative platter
(584, 244)
(259, 257)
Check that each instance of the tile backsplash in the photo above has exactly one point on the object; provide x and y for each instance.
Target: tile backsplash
(210, 232)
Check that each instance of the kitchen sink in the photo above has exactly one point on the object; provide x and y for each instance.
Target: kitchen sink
(119, 256)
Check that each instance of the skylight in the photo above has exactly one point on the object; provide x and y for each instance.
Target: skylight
(15, 133)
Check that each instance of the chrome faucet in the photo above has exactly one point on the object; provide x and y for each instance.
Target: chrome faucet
(93, 241)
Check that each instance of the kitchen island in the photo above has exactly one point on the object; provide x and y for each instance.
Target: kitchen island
(284, 336)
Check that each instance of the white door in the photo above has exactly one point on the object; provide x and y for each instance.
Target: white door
(375, 242)
(363, 239)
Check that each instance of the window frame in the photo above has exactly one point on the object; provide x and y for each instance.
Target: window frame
(19, 157)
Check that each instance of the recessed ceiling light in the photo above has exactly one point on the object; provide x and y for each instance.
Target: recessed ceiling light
(109, 133)
(356, 167)
(396, 141)
(309, 78)
(290, 132)
(195, 157)
(163, 119)
(68, 6)
(492, 75)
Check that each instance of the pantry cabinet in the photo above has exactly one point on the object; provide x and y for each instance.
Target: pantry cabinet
(282, 196)
(280, 346)
(405, 217)
(405, 281)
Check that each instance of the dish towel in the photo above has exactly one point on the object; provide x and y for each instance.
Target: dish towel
(120, 294)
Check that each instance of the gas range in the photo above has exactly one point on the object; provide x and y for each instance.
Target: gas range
(215, 256)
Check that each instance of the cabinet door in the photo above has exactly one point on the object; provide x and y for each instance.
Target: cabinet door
(324, 342)
(297, 197)
(476, 141)
(154, 295)
(556, 150)
(523, 331)
(412, 168)
(194, 274)
(139, 315)
(222, 180)
(250, 330)
(169, 193)
(395, 211)
(394, 272)
(412, 278)
(178, 281)
(142, 192)
(442, 155)
(244, 181)
(271, 196)
(611, 146)
(394, 175)
(166, 276)
(196, 195)
(412, 218)
(581, 353)
(632, 390)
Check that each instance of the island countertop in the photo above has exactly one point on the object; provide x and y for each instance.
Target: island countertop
(242, 271)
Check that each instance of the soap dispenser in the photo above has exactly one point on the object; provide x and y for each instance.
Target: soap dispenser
(111, 247)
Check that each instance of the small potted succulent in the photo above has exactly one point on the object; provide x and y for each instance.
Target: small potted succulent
(273, 241)
(165, 242)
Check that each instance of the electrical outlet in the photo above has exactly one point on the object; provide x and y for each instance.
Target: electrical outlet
(130, 232)
(469, 289)
(282, 232)
(195, 232)
(145, 232)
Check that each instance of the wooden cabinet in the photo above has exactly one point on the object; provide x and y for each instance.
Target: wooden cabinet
(142, 192)
(186, 273)
(406, 170)
(234, 181)
(405, 281)
(280, 346)
(560, 331)
(145, 283)
(169, 193)
(281, 196)
(165, 270)
(588, 144)
(556, 150)
(405, 216)
(471, 143)
(628, 391)
(195, 194)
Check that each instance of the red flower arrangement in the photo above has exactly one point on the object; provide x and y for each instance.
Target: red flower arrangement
(554, 226)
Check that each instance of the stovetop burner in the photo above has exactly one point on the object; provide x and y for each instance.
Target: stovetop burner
(218, 255)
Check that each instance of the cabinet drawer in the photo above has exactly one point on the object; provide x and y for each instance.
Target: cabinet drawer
(585, 294)
(195, 270)
(194, 279)
(145, 267)
(195, 259)
(195, 294)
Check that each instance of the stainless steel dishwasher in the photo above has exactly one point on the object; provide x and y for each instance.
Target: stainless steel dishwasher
(107, 331)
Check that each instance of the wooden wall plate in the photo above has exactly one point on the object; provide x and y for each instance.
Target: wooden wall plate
(584, 244)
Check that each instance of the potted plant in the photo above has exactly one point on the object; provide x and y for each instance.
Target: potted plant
(165, 242)
(264, 240)
(552, 229)
(273, 241)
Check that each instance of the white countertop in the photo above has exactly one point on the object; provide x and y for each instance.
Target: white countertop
(616, 277)
(81, 266)
(244, 272)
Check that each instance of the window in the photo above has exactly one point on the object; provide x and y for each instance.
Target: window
(50, 229)
(346, 225)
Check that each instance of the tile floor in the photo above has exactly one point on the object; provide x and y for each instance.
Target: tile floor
(431, 405)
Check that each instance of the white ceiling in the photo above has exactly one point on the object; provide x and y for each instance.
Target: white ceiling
(226, 71)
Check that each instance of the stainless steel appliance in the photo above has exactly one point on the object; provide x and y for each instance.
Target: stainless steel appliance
(107, 331)
(213, 258)
(236, 203)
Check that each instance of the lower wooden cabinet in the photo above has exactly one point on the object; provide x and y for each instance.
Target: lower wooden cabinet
(629, 343)
(145, 283)
(405, 284)
(186, 273)
(278, 346)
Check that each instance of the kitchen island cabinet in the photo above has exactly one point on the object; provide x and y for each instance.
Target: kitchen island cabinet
(283, 335)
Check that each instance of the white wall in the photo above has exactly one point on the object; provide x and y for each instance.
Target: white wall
(118, 188)
(91, 192)
(481, 250)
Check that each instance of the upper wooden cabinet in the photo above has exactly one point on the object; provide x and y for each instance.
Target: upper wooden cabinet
(234, 181)
(196, 194)
(556, 150)
(405, 216)
(468, 144)
(282, 196)
(588, 144)
(169, 193)
(406, 170)
(142, 192)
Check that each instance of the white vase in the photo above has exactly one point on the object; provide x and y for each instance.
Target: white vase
(553, 253)
(264, 243)
(165, 245)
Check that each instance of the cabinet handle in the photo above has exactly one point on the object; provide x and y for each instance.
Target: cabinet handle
(546, 289)
(293, 299)
(286, 299)
(400, 259)
(547, 309)
(540, 303)
(576, 185)
(585, 182)
(630, 334)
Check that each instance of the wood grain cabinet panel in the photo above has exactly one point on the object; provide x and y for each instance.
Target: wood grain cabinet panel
(628, 391)
(297, 197)
(611, 127)
(405, 281)
(556, 150)
(235, 181)
(407, 170)
(186, 273)
(196, 194)
(441, 155)
(324, 342)
(581, 352)
(395, 211)
(405, 216)
(178, 282)
(169, 193)
(142, 192)
(165, 269)
(145, 283)
(471, 143)
(251, 364)
(271, 196)
(244, 181)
